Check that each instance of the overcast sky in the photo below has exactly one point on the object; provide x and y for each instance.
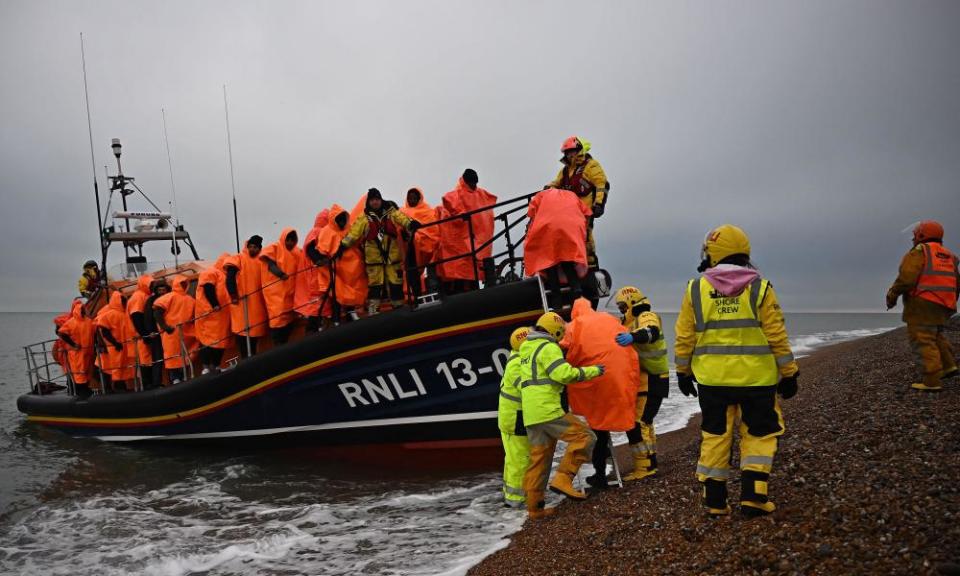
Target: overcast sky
(821, 128)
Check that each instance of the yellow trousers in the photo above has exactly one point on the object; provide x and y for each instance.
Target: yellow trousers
(516, 460)
(932, 350)
(543, 441)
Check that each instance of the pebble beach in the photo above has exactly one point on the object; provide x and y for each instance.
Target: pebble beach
(866, 481)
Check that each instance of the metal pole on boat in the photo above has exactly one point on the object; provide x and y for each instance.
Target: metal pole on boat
(473, 252)
(246, 324)
(33, 387)
(233, 183)
(93, 164)
(173, 192)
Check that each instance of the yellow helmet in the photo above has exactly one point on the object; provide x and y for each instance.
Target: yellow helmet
(518, 336)
(553, 324)
(630, 296)
(721, 242)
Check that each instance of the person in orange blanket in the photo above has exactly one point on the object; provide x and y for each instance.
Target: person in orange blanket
(308, 297)
(278, 265)
(460, 274)
(136, 308)
(248, 310)
(556, 241)
(608, 402)
(59, 351)
(173, 313)
(349, 290)
(78, 333)
(426, 239)
(119, 355)
(212, 316)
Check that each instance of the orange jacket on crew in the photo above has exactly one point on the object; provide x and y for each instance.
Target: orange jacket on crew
(351, 275)
(137, 304)
(249, 293)
(80, 329)
(916, 308)
(213, 325)
(608, 402)
(278, 293)
(312, 281)
(557, 232)
(119, 364)
(178, 307)
(455, 235)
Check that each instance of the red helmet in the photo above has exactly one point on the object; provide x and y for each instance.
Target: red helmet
(571, 143)
(927, 230)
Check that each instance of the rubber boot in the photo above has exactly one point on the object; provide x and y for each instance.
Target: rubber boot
(536, 508)
(931, 383)
(753, 494)
(644, 465)
(563, 484)
(715, 497)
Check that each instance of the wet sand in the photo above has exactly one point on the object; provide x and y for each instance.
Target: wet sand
(866, 481)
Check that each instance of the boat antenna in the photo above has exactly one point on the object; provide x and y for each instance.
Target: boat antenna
(93, 165)
(233, 183)
(173, 189)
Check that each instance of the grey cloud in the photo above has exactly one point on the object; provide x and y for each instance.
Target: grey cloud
(822, 128)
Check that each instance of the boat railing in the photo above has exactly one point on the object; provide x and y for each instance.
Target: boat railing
(42, 367)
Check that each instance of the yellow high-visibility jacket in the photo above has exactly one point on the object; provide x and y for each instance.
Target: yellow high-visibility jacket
(544, 372)
(732, 340)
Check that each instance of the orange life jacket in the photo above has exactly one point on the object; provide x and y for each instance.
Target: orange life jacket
(938, 280)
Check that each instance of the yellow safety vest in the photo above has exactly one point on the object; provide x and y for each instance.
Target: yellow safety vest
(731, 348)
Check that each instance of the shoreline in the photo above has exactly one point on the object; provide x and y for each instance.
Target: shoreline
(865, 481)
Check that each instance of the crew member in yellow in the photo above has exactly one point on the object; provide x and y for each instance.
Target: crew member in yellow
(516, 448)
(731, 340)
(90, 279)
(379, 230)
(645, 333)
(583, 175)
(543, 374)
(928, 282)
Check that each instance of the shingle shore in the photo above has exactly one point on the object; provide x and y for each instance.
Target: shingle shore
(866, 481)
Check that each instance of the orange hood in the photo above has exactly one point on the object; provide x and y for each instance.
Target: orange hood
(143, 284)
(180, 283)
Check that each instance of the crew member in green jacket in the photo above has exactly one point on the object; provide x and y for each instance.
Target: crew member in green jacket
(516, 449)
(544, 373)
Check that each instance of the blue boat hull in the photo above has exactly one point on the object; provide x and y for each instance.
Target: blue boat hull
(427, 377)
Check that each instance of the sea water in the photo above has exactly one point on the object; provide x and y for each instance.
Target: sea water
(78, 507)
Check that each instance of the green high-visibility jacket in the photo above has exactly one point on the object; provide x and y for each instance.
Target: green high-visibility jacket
(509, 403)
(544, 372)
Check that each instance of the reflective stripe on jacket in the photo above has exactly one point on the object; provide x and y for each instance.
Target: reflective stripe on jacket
(653, 355)
(544, 372)
(938, 279)
(730, 347)
(509, 403)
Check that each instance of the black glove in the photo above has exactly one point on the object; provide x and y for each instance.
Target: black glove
(787, 387)
(687, 387)
(415, 225)
(597, 210)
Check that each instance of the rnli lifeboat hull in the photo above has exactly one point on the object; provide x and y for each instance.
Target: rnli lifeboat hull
(420, 379)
